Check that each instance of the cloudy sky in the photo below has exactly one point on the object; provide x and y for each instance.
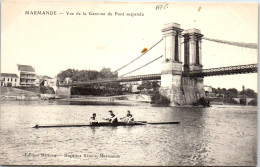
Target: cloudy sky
(55, 43)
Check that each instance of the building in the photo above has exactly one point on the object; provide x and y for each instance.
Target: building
(209, 92)
(27, 75)
(48, 82)
(131, 86)
(67, 81)
(208, 89)
(8, 79)
(39, 81)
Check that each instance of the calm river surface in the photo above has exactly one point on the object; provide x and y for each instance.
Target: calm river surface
(220, 135)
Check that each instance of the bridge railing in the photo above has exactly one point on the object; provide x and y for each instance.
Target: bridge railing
(140, 76)
(224, 70)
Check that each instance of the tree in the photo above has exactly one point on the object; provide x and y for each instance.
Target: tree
(155, 86)
(214, 90)
(116, 86)
(140, 87)
(159, 100)
(250, 93)
(230, 94)
(253, 102)
(107, 73)
(67, 73)
(145, 85)
(233, 91)
(148, 85)
(92, 74)
(46, 77)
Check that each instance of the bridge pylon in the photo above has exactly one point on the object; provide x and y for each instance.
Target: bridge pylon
(171, 74)
(179, 89)
(192, 50)
(193, 87)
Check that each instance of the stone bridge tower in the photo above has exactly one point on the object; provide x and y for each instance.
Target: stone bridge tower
(192, 50)
(179, 89)
(193, 87)
(171, 74)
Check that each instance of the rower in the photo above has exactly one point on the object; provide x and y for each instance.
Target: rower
(129, 117)
(113, 118)
(93, 119)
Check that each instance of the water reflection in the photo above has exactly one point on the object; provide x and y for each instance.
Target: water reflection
(93, 130)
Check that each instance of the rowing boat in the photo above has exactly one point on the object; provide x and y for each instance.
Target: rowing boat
(104, 124)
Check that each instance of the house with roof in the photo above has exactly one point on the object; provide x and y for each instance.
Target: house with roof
(9, 79)
(27, 75)
(45, 81)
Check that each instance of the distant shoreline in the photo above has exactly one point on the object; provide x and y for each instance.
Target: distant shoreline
(14, 94)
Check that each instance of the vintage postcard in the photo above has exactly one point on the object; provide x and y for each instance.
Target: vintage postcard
(128, 83)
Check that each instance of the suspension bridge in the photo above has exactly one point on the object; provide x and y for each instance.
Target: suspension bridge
(183, 82)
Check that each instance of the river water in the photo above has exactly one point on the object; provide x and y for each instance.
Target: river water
(219, 135)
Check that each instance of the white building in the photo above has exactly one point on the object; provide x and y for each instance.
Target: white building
(27, 75)
(208, 89)
(8, 79)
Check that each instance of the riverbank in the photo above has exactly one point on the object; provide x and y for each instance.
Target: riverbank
(10, 93)
(15, 94)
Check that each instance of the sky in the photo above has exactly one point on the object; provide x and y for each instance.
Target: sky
(58, 42)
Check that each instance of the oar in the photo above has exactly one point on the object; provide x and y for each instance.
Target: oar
(141, 123)
(156, 123)
(160, 123)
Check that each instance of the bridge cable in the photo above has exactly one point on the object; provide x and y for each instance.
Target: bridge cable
(139, 56)
(240, 44)
(142, 66)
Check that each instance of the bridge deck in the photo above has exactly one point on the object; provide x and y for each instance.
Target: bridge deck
(240, 69)
(121, 79)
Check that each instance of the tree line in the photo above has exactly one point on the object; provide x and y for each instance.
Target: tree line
(233, 92)
(86, 75)
(229, 94)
